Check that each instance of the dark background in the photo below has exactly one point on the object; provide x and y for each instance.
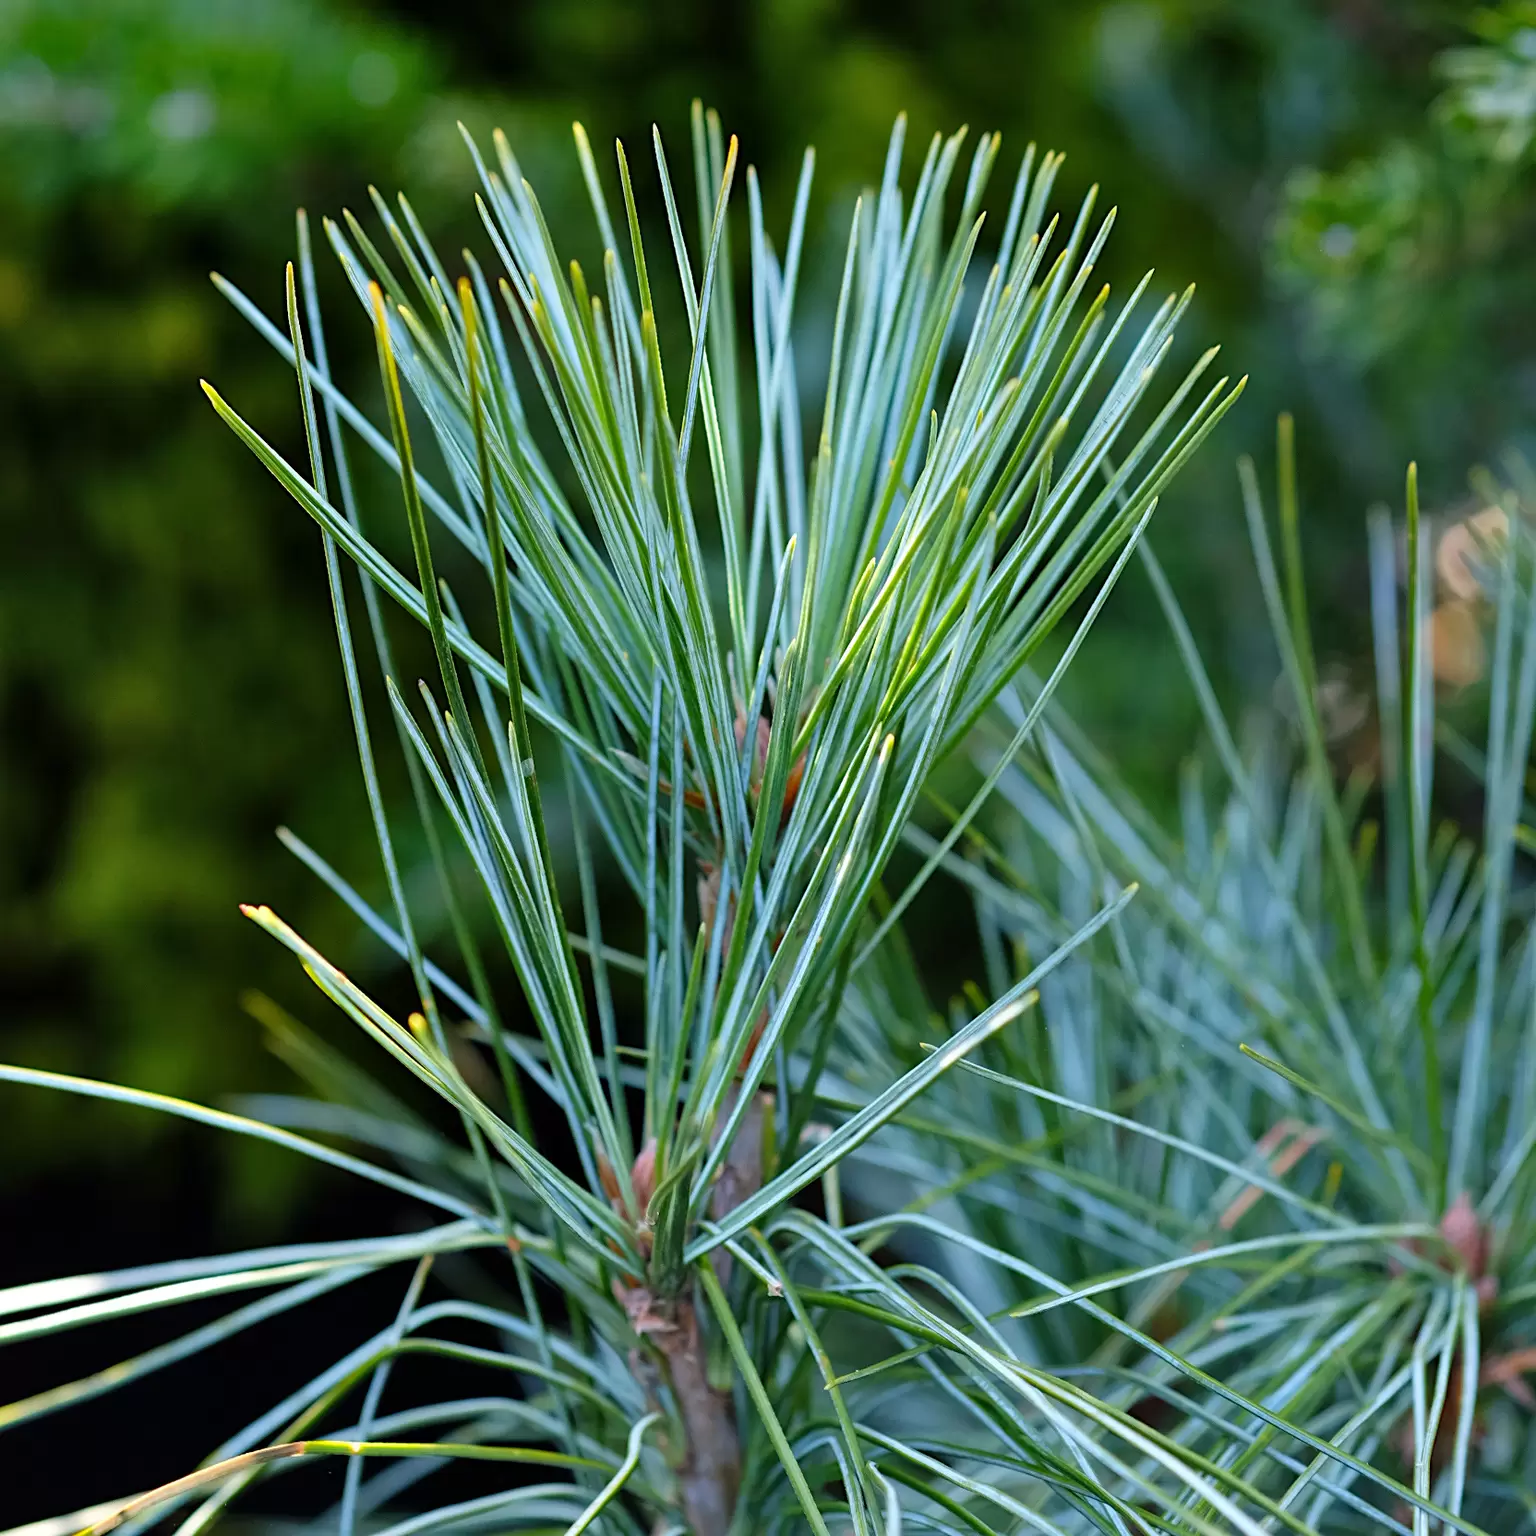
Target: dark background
(1348, 183)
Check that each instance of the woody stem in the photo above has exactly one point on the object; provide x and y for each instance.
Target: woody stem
(711, 1474)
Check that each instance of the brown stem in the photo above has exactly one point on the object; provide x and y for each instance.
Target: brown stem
(741, 1174)
(710, 1475)
(711, 1471)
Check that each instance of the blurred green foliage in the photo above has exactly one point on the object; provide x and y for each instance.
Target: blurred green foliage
(165, 672)
(1411, 259)
(1349, 182)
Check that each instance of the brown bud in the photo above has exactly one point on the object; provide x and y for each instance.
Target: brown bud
(792, 787)
(760, 765)
(1466, 1235)
(709, 894)
(642, 1177)
(609, 1180)
(1455, 644)
(752, 1042)
(759, 750)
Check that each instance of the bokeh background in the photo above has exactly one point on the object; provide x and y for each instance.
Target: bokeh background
(1349, 182)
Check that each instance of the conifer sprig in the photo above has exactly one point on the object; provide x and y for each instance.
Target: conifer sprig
(1211, 1171)
(737, 658)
